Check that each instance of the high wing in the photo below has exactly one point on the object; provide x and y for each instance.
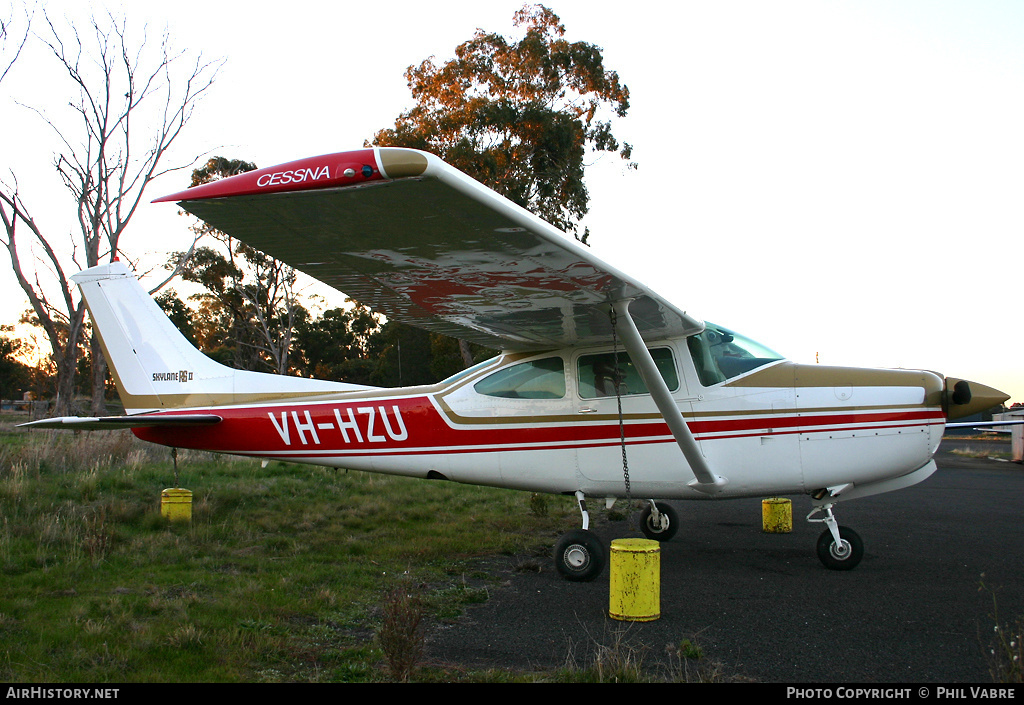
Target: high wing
(413, 238)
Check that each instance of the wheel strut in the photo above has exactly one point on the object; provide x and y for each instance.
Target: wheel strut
(658, 520)
(833, 526)
(582, 502)
(839, 548)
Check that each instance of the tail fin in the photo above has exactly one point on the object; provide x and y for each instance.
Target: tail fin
(155, 367)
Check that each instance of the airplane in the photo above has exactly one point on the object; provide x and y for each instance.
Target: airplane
(602, 388)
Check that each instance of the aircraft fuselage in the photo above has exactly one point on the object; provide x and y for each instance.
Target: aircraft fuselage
(779, 429)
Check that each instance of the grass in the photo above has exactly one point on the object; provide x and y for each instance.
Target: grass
(971, 452)
(280, 575)
(285, 573)
(1005, 652)
(987, 445)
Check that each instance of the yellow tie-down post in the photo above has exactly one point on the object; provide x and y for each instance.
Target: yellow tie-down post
(635, 582)
(176, 504)
(776, 515)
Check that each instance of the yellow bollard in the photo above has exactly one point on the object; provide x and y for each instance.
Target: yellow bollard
(635, 568)
(176, 504)
(777, 515)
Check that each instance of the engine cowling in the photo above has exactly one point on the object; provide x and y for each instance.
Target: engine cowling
(962, 398)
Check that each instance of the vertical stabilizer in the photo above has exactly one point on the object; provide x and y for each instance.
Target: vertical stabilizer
(155, 367)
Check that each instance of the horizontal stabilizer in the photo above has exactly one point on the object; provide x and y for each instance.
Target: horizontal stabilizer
(112, 423)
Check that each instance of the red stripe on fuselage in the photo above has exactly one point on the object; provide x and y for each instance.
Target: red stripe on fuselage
(413, 425)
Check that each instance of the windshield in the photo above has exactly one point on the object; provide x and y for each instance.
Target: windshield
(720, 354)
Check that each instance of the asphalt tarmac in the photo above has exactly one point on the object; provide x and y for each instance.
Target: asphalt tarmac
(764, 608)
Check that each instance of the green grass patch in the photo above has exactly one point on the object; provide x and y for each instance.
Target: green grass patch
(981, 452)
(280, 575)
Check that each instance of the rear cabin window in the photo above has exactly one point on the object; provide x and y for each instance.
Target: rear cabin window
(599, 374)
(537, 379)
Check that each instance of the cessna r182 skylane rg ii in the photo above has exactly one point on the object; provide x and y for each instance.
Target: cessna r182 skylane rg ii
(592, 363)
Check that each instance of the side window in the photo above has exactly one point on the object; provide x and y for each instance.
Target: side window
(537, 379)
(598, 375)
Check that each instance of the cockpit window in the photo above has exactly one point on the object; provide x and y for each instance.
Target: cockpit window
(719, 354)
(599, 375)
(536, 379)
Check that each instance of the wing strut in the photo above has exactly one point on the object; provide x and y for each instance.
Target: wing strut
(706, 481)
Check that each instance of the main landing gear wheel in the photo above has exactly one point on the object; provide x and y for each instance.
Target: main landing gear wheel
(844, 555)
(660, 527)
(579, 555)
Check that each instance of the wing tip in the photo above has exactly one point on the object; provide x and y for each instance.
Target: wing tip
(324, 171)
(398, 162)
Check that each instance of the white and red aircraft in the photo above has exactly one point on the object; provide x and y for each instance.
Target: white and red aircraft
(593, 363)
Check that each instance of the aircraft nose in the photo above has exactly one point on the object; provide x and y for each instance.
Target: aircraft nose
(963, 398)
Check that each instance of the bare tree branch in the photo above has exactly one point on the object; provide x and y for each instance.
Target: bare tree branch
(132, 98)
(7, 26)
(180, 266)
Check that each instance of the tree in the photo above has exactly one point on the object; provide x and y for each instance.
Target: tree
(250, 297)
(178, 312)
(339, 345)
(518, 116)
(249, 310)
(105, 163)
(13, 372)
(403, 355)
(12, 40)
(271, 297)
(18, 372)
(214, 169)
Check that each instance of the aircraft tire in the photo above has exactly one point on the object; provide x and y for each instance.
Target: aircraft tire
(579, 556)
(835, 560)
(657, 533)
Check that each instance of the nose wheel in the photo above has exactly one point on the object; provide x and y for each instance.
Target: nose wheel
(843, 554)
(839, 547)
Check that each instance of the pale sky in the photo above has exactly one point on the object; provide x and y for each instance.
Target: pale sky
(838, 180)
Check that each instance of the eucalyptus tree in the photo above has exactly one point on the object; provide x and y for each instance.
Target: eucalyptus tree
(519, 115)
(250, 305)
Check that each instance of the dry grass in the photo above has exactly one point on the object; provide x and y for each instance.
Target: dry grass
(279, 574)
